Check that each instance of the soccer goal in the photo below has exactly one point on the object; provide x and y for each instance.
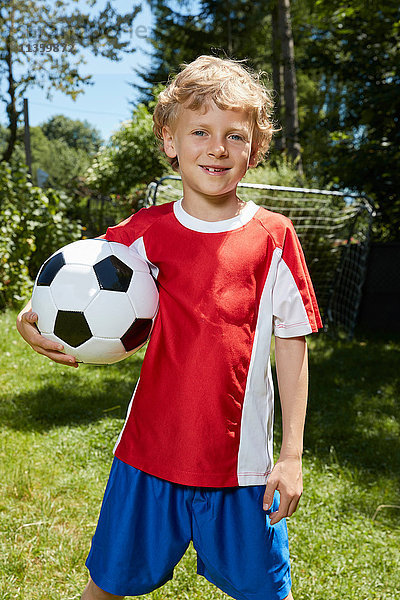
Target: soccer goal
(334, 229)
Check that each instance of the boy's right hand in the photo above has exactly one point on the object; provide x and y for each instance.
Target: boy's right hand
(26, 326)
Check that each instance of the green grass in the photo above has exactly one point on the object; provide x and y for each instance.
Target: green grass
(59, 425)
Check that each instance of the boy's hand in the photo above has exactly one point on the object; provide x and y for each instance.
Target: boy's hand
(286, 477)
(26, 325)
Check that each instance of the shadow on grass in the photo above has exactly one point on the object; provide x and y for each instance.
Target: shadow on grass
(354, 409)
(73, 397)
(353, 401)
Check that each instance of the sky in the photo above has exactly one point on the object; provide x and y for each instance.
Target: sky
(104, 104)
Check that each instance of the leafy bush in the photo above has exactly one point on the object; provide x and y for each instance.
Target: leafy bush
(130, 159)
(278, 170)
(33, 225)
(62, 162)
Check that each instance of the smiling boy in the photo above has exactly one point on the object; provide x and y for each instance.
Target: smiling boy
(194, 459)
(211, 176)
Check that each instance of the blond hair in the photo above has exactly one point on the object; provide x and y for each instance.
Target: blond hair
(231, 85)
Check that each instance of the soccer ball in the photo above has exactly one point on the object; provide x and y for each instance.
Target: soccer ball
(97, 298)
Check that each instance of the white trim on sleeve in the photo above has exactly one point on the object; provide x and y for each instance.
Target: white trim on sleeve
(140, 248)
(290, 315)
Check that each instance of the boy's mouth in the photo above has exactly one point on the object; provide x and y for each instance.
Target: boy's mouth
(214, 170)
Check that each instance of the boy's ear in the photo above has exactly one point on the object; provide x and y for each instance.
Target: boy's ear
(253, 158)
(169, 147)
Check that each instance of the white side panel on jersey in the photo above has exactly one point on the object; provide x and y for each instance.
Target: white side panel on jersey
(138, 245)
(290, 316)
(255, 458)
(127, 417)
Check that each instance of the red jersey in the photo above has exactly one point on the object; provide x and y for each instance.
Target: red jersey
(202, 410)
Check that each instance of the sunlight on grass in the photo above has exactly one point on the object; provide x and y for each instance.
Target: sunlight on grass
(59, 425)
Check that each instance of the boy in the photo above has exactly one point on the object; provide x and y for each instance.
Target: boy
(194, 459)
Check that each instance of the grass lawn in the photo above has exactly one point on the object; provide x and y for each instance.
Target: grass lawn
(59, 425)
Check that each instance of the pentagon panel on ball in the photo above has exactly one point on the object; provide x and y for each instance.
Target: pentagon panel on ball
(98, 298)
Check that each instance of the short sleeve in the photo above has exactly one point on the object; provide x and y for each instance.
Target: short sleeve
(124, 232)
(294, 304)
(135, 227)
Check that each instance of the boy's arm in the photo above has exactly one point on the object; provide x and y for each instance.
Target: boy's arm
(286, 476)
(27, 329)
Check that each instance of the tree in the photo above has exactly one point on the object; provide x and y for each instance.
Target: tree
(62, 162)
(64, 153)
(54, 64)
(290, 83)
(277, 76)
(352, 51)
(226, 28)
(80, 135)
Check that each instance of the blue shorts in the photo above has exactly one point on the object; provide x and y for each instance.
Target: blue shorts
(147, 523)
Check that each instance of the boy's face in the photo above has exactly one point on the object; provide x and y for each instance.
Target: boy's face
(207, 139)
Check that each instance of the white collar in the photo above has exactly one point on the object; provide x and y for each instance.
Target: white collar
(246, 214)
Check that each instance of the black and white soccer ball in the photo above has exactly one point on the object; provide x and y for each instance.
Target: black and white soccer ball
(97, 298)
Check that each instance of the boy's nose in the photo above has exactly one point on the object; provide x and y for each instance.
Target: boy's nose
(217, 149)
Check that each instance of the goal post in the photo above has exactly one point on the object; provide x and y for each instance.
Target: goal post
(334, 229)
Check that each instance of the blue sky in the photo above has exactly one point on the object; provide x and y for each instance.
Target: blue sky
(104, 104)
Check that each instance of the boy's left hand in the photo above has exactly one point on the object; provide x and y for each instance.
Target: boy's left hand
(286, 477)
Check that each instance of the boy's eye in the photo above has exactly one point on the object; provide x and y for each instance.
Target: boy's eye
(201, 133)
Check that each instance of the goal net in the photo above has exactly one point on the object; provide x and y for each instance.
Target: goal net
(334, 231)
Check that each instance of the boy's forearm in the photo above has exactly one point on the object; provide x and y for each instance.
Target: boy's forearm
(292, 372)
